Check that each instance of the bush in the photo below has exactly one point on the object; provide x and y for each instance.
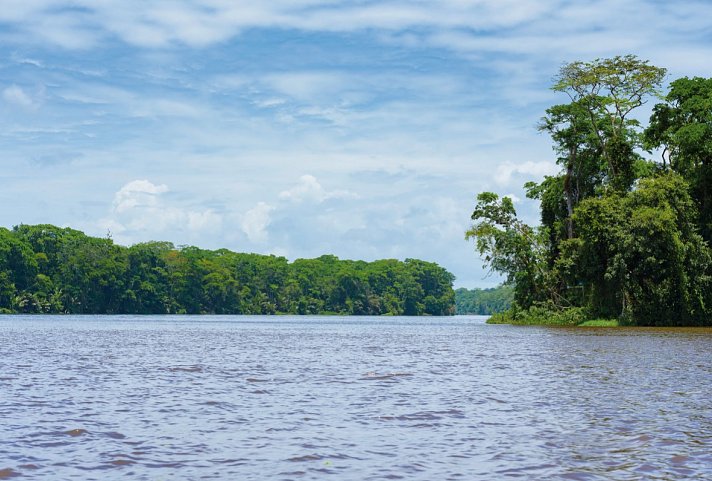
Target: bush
(541, 315)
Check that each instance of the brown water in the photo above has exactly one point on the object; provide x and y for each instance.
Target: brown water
(256, 398)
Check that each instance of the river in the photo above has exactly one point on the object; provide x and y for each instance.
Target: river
(360, 398)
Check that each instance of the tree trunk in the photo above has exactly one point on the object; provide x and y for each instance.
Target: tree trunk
(568, 189)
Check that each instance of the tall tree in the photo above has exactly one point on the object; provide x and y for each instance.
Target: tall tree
(612, 89)
(578, 151)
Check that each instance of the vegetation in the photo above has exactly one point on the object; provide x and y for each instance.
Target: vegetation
(47, 269)
(622, 238)
(483, 302)
(601, 323)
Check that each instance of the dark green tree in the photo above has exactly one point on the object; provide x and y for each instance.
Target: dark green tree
(18, 271)
(92, 274)
(640, 255)
(682, 127)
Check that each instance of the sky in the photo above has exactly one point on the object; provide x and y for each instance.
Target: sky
(359, 128)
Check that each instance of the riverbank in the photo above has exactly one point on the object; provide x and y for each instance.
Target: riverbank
(539, 316)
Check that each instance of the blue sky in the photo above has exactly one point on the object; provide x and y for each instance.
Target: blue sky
(304, 127)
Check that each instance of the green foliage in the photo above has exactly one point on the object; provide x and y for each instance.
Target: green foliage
(541, 315)
(682, 126)
(509, 246)
(609, 90)
(640, 256)
(92, 275)
(46, 269)
(601, 323)
(484, 301)
(622, 237)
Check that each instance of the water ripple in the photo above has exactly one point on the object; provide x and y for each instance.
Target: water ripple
(102, 398)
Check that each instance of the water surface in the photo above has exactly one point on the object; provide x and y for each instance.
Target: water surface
(255, 398)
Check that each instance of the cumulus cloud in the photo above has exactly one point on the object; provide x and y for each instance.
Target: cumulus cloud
(138, 194)
(255, 222)
(140, 210)
(309, 189)
(296, 202)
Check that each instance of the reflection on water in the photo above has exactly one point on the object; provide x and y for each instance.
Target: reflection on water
(146, 398)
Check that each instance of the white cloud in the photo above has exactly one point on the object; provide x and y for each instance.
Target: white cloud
(138, 193)
(448, 91)
(203, 22)
(270, 103)
(15, 95)
(139, 212)
(309, 189)
(203, 220)
(541, 34)
(27, 61)
(309, 86)
(255, 222)
(164, 108)
(514, 198)
(505, 171)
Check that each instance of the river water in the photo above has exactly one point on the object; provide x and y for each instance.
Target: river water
(263, 398)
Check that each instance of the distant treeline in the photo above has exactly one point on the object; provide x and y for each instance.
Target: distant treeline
(48, 269)
(484, 301)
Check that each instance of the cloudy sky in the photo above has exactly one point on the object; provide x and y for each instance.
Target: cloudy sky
(300, 127)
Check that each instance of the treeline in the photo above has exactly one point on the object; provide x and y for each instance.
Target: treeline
(626, 225)
(483, 302)
(47, 269)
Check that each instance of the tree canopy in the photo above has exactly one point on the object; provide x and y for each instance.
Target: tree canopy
(621, 236)
(47, 269)
(483, 302)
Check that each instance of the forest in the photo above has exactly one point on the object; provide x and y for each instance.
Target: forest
(626, 225)
(48, 269)
(483, 302)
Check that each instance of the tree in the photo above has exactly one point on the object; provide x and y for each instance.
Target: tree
(47, 242)
(146, 279)
(611, 89)
(620, 236)
(509, 246)
(92, 273)
(640, 255)
(18, 269)
(682, 127)
(484, 301)
(575, 144)
(49, 269)
(435, 282)
(17, 259)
